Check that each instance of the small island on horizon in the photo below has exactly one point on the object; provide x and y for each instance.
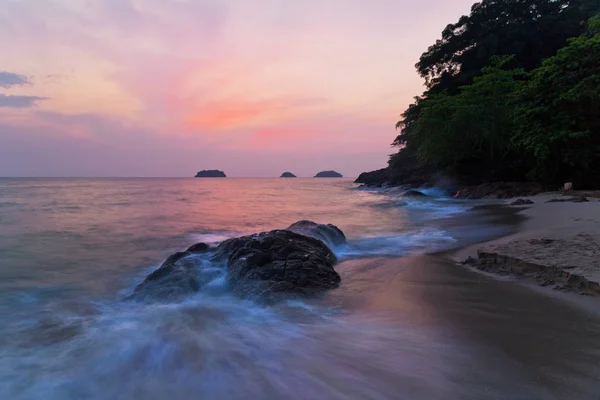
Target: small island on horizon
(329, 174)
(210, 173)
(288, 175)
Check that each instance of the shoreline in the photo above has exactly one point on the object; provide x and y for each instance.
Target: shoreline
(556, 245)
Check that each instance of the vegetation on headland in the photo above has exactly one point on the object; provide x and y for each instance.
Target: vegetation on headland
(512, 94)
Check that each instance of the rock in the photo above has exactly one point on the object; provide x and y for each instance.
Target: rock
(374, 178)
(469, 261)
(329, 174)
(498, 190)
(414, 193)
(594, 194)
(329, 234)
(198, 248)
(576, 199)
(174, 279)
(287, 175)
(211, 173)
(521, 202)
(279, 261)
(292, 261)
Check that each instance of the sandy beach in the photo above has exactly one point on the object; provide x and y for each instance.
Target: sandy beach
(557, 244)
(502, 340)
(508, 338)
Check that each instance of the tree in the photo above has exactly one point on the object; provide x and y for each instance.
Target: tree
(469, 132)
(560, 113)
(531, 30)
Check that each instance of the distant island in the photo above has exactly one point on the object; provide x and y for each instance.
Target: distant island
(287, 175)
(211, 173)
(329, 174)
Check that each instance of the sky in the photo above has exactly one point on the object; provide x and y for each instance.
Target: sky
(168, 87)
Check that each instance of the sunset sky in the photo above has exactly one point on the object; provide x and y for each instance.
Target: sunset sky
(169, 87)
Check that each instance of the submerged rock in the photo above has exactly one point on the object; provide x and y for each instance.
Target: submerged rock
(329, 174)
(211, 173)
(287, 175)
(296, 260)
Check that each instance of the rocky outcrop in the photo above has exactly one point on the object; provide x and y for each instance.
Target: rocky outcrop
(378, 178)
(498, 190)
(415, 175)
(329, 234)
(296, 260)
(287, 175)
(210, 173)
(409, 172)
(329, 174)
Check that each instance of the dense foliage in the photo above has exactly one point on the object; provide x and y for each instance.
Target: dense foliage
(513, 93)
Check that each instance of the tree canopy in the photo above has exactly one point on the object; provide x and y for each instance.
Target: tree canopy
(531, 30)
(513, 93)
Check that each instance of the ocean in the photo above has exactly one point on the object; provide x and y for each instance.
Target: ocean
(72, 249)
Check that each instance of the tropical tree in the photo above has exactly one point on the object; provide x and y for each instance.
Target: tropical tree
(560, 112)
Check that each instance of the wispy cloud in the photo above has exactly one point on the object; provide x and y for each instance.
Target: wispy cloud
(16, 101)
(223, 81)
(9, 79)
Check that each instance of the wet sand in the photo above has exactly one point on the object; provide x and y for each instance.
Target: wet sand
(503, 337)
(503, 340)
(558, 243)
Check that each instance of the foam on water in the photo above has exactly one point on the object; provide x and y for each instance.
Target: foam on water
(397, 244)
(211, 347)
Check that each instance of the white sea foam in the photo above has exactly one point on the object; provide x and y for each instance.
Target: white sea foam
(421, 241)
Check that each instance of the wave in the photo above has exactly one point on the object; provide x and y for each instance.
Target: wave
(426, 240)
(211, 347)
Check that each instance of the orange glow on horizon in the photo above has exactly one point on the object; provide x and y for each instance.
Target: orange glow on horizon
(224, 117)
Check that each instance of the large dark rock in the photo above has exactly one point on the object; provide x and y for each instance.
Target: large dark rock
(296, 260)
(211, 173)
(330, 234)
(287, 175)
(279, 261)
(329, 174)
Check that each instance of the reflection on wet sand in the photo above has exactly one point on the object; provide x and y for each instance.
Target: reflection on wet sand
(510, 342)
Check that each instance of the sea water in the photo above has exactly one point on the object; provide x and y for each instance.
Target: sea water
(72, 249)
